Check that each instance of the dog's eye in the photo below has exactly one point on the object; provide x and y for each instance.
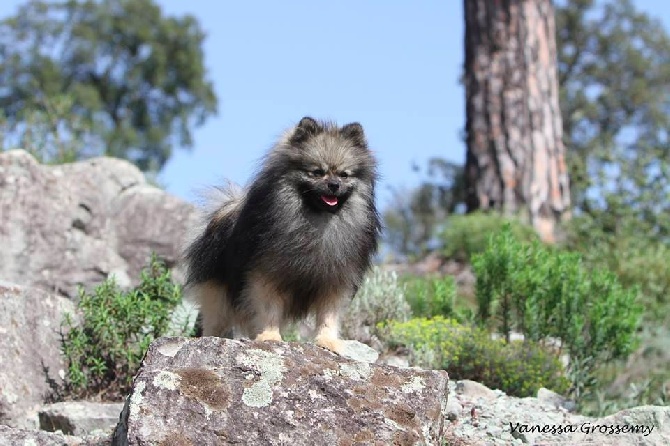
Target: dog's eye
(344, 174)
(317, 172)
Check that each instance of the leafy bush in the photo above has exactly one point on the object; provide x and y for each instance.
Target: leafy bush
(546, 293)
(517, 368)
(466, 235)
(636, 258)
(640, 257)
(104, 346)
(380, 298)
(433, 296)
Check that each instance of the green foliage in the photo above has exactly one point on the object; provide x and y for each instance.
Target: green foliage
(51, 132)
(136, 78)
(627, 250)
(615, 103)
(638, 260)
(546, 293)
(646, 379)
(652, 391)
(380, 298)
(517, 368)
(55, 134)
(430, 297)
(104, 345)
(466, 235)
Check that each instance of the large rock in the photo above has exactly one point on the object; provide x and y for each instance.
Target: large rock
(77, 223)
(29, 329)
(212, 391)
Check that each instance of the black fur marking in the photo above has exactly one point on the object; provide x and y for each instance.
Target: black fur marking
(354, 132)
(306, 128)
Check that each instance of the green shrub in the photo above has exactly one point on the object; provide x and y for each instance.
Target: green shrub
(517, 368)
(104, 345)
(547, 293)
(430, 297)
(640, 257)
(381, 297)
(637, 259)
(466, 235)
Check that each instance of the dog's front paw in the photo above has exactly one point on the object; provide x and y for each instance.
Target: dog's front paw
(269, 335)
(335, 345)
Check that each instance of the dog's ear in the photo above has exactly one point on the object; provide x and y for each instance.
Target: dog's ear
(354, 132)
(306, 128)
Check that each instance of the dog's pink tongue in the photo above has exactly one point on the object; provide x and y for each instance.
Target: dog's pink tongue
(330, 200)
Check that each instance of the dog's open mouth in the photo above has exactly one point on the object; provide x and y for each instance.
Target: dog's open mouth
(330, 200)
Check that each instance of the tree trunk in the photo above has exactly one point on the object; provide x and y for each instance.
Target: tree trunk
(515, 161)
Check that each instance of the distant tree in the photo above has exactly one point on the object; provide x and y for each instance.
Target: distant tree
(515, 159)
(52, 132)
(614, 71)
(134, 77)
(614, 79)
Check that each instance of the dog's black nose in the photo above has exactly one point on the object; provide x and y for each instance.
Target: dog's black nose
(333, 185)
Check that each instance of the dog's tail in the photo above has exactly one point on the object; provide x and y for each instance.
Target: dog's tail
(221, 202)
(203, 256)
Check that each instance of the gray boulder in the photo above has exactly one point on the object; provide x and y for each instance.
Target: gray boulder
(212, 391)
(79, 417)
(75, 224)
(29, 326)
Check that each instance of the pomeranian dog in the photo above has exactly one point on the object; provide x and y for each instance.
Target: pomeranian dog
(297, 241)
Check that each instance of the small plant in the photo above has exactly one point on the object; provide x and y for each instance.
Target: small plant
(546, 293)
(430, 297)
(466, 235)
(380, 298)
(104, 345)
(517, 368)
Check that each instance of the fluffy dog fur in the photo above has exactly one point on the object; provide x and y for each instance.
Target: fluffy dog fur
(297, 241)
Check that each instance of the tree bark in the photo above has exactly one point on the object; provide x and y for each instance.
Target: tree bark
(515, 160)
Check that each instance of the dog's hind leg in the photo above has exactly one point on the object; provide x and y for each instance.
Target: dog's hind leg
(265, 307)
(218, 316)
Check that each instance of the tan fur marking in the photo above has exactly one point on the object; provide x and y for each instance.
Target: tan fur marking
(327, 325)
(266, 307)
(269, 335)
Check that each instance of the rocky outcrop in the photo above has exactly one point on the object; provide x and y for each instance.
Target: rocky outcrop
(30, 345)
(71, 224)
(207, 391)
(62, 226)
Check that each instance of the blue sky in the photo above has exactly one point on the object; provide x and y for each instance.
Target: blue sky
(392, 65)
